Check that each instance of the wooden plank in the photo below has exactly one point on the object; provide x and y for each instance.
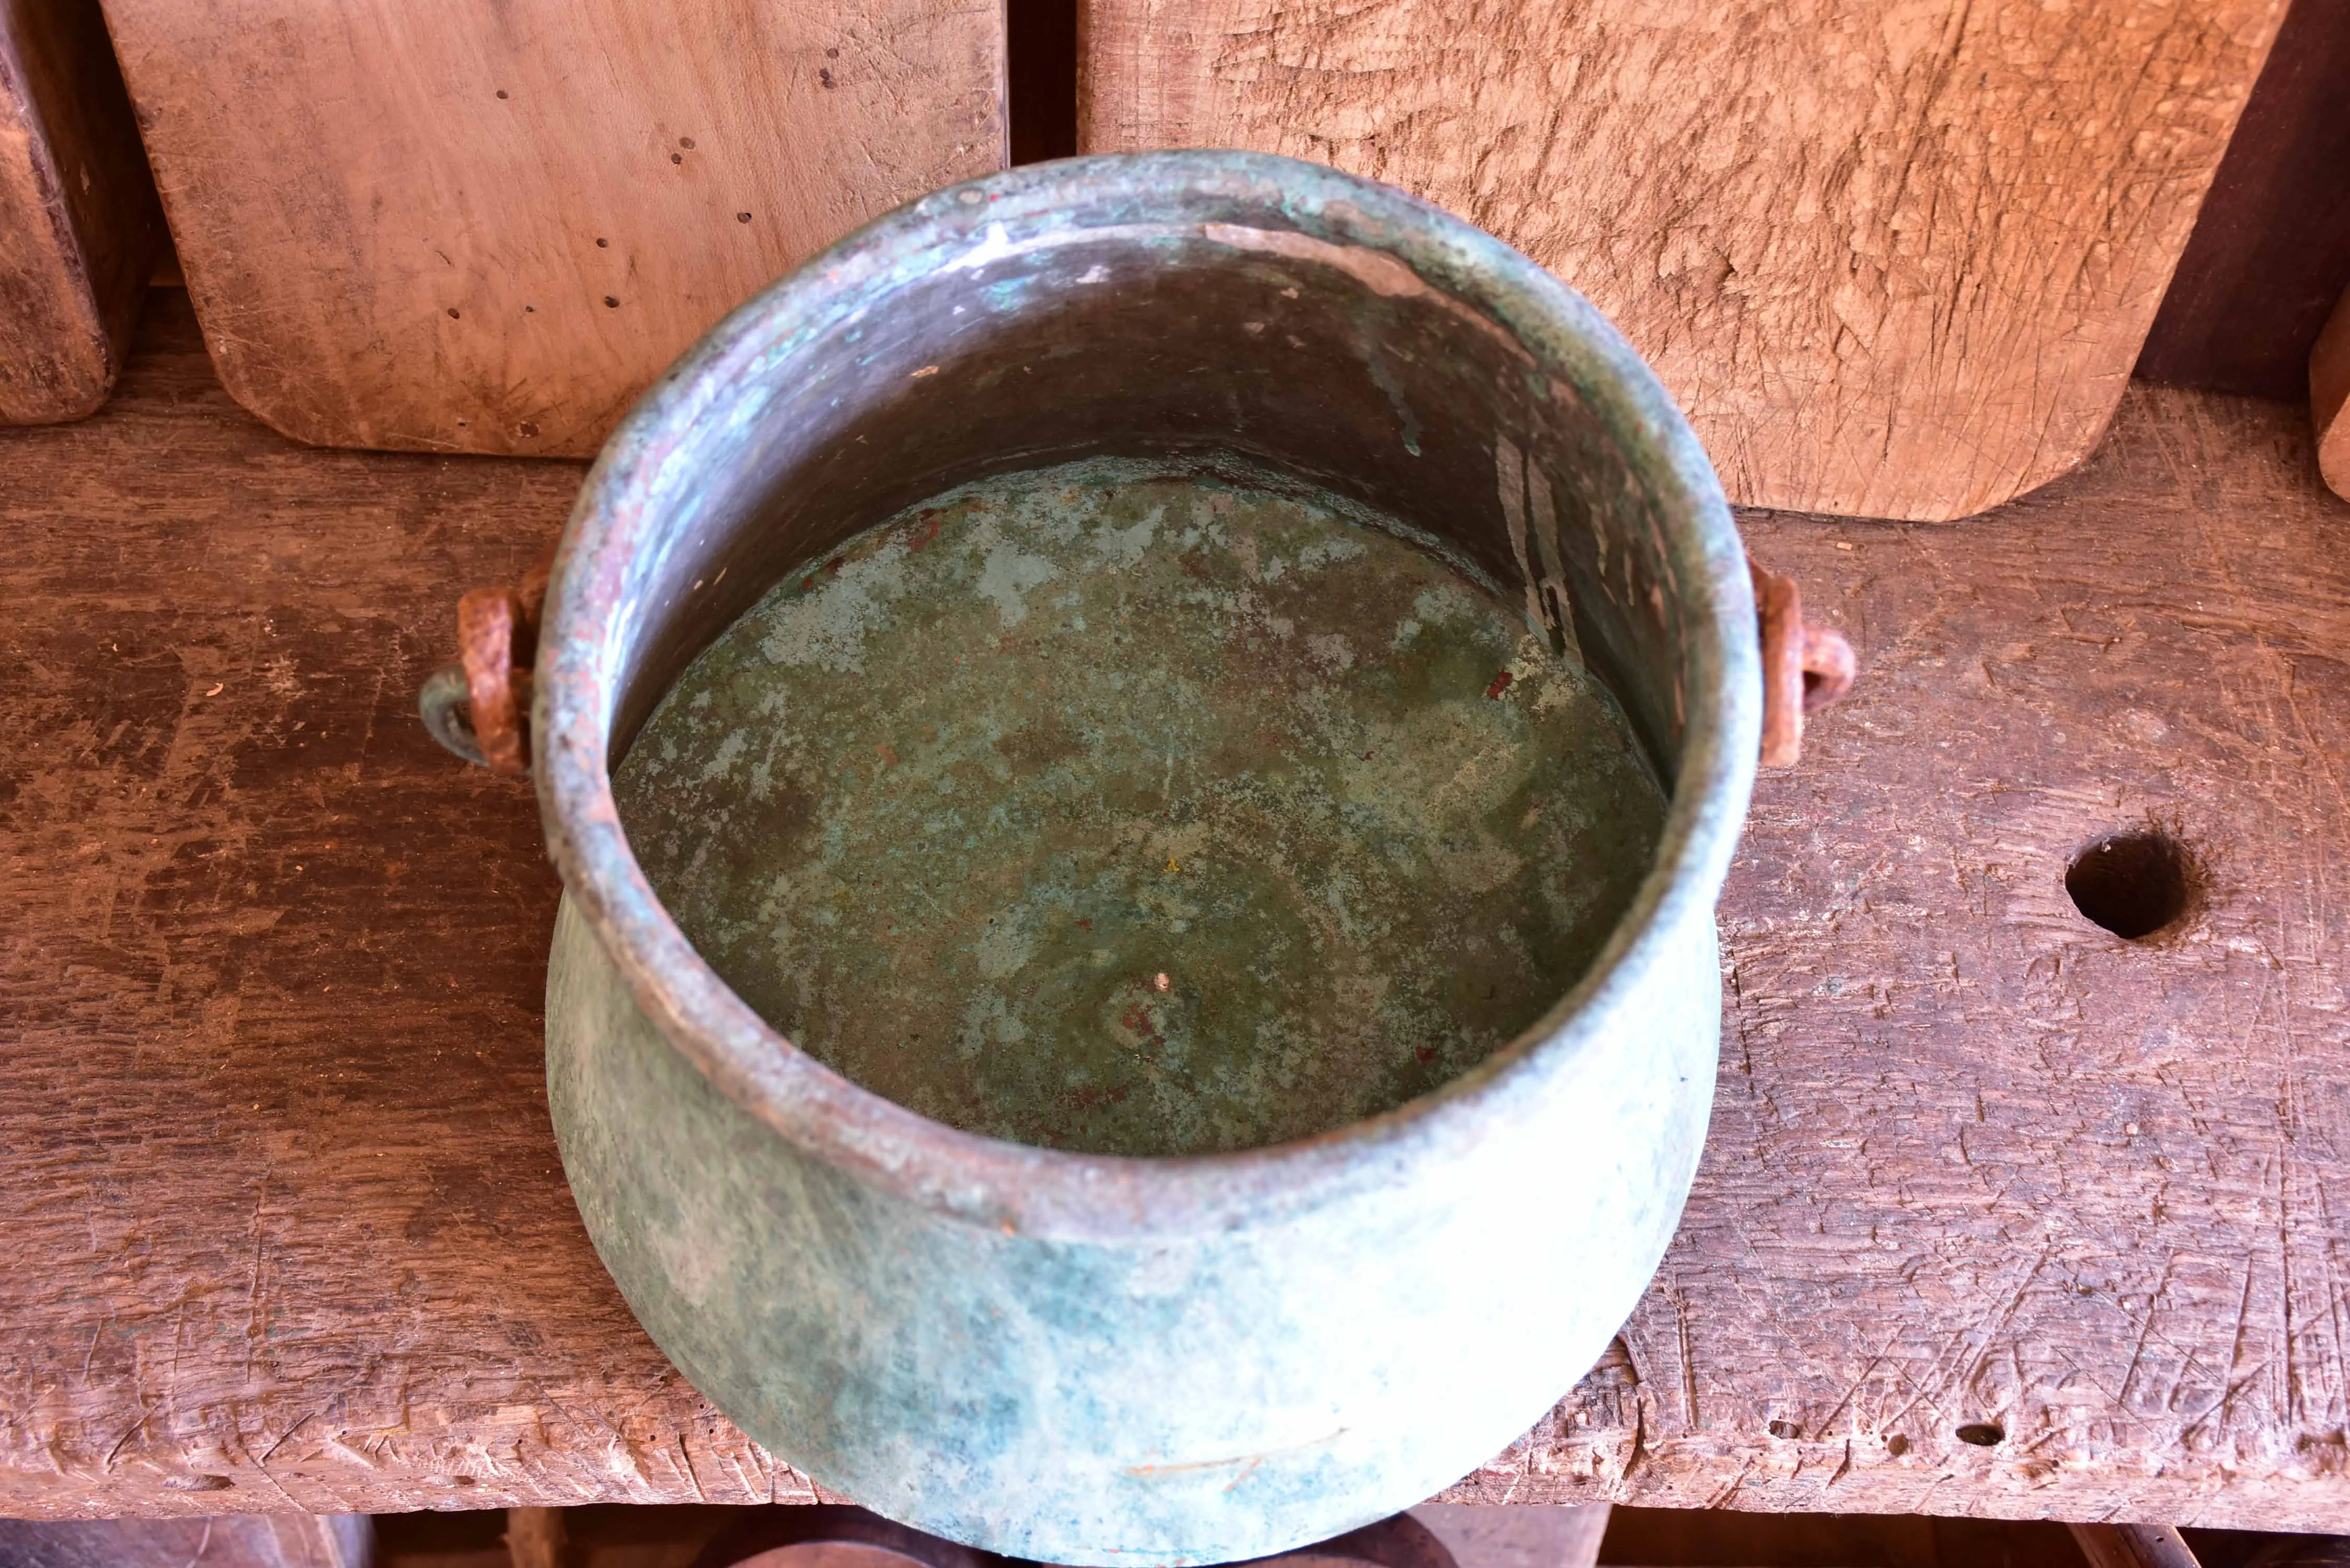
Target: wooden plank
(1893, 262)
(1517, 1537)
(2329, 397)
(535, 1537)
(230, 1540)
(487, 225)
(271, 1103)
(1977, 1167)
(78, 225)
(2132, 1546)
(2271, 249)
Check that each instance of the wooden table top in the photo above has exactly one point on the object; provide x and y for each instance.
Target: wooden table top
(286, 1227)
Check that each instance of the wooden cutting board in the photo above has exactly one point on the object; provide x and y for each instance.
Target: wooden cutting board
(485, 226)
(1894, 259)
(78, 228)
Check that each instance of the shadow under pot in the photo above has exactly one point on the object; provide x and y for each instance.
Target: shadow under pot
(1141, 755)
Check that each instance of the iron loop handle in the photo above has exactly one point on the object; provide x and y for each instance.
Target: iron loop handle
(1805, 668)
(441, 702)
(479, 708)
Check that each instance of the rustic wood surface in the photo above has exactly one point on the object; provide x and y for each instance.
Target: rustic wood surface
(485, 226)
(1896, 262)
(1517, 1537)
(229, 1540)
(2132, 1546)
(78, 225)
(284, 1208)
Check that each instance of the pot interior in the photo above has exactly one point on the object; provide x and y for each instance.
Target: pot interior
(1332, 365)
(1234, 395)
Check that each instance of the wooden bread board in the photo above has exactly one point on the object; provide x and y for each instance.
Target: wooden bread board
(1894, 260)
(487, 225)
(78, 228)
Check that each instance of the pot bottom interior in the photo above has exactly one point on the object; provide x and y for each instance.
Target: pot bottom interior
(1122, 813)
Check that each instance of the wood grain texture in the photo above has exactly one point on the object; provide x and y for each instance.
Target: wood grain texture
(229, 1540)
(1974, 1161)
(487, 225)
(2329, 397)
(535, 1537)
(78, 225)
(1894, 260)
(1517, 1537)
(270, 1106)
(2132, 1546)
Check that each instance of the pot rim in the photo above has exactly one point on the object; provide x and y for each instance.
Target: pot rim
(1045, 1192)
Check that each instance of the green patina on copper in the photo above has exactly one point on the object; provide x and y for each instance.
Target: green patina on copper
(1121, 812)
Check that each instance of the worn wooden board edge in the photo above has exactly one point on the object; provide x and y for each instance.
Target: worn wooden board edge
(490, 1363)
(2329, 397)
(79, 226)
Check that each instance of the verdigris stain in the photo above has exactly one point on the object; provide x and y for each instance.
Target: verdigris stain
(1120, 813)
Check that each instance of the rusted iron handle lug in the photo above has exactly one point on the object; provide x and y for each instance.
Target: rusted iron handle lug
(442, 703)
(497, 683)
(1805, 668)
(497, 638)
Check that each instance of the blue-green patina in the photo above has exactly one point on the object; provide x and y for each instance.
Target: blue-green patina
(1133, 814)
(1080, 1357)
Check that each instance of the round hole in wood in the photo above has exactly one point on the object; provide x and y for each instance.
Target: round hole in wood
(1784, 1429)
(2133, 884)
(1982, 1434)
